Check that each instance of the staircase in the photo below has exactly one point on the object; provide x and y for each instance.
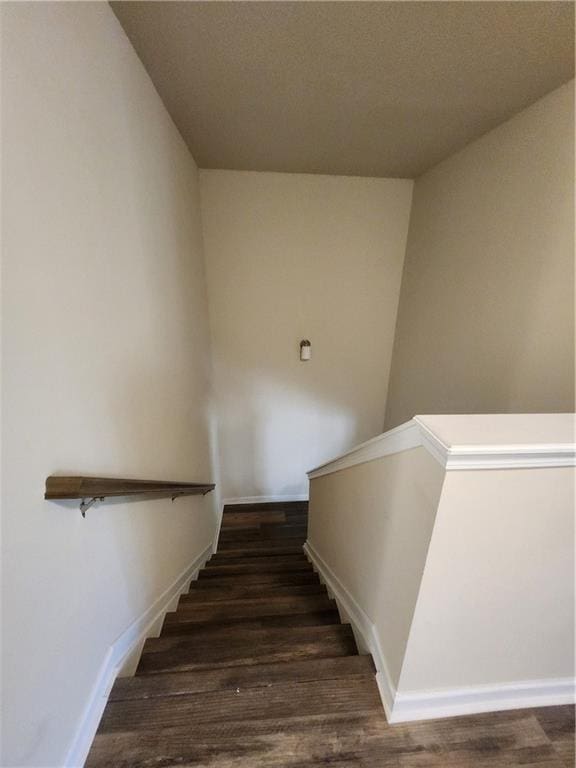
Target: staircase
(254, 669)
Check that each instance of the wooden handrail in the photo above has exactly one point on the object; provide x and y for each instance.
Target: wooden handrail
(98, 488)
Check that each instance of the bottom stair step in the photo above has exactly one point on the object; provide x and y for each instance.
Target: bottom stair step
(284, 699)
(213, 649)
(362, 740)
(231, 678)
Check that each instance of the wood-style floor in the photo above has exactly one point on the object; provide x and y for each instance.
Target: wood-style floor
(255, 670)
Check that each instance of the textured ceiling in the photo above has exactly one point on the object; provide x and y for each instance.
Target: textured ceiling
(361, 88)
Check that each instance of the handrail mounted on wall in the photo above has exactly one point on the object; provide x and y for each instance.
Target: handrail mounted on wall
(98, 488)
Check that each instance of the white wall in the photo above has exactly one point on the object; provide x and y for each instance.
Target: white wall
(292, 256)
(496, 604)
(105, 358)
(461, 581)
(372, 525)
(486, 314)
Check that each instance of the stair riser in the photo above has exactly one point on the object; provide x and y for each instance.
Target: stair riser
(279, 551)
(262, 560)
(242, 519)
(258, 544)
(231, 520)
(211, 649)
(239, 626)
(265, 656)
(281, 506)
(250, 608)
(254, 579)
(241, 593)
(232, 570)
(264, 532)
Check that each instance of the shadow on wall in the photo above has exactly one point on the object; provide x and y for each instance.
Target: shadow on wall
(275, 433)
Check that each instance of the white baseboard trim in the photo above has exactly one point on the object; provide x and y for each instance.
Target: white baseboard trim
(364, 629)
(265, 499)
(426, 705)
(115, 656)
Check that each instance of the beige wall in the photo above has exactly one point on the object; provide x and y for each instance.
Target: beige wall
(292, 256)
(486, 314)
(105, 358)
(496, 603)
(372, 524)
(460, 581)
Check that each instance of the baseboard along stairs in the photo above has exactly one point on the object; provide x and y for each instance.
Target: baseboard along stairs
(255, 670)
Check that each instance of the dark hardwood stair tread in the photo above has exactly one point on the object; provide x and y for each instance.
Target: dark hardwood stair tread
(284, 506)
(228, 686)
(252, 517)
(358, 740)
(279, 549)
(212, 637)
(256, 544)
(239, 625)
(239, 591)
(260, 561)
(211, 571)
(282, 699)
(267, 605)
(232, 520)
(250, 646)
(264, 532)
(230, 678)
(261, 577)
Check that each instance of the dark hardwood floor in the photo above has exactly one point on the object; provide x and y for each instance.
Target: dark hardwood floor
(255, 670)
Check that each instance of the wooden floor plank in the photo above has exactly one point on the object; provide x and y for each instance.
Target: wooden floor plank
(215, 571)
(213, 650)
(278, 700)
(239, 626)
(297, 743)
(259, 543)
(558, 725)
(278, 548)
(259, 577)
(284, 506)
(268, 605)
(233, 591)
(231, 678)
(262, 561)
(364, 740)
(264, 532)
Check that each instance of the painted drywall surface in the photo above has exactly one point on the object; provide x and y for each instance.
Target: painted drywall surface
(496, 603)
(486, 314)
(503, 431)
(293, 257)
(105, 358)
(372, 525)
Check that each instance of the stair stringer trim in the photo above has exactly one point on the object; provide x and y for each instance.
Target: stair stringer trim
(364, 629)
(118, 652)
